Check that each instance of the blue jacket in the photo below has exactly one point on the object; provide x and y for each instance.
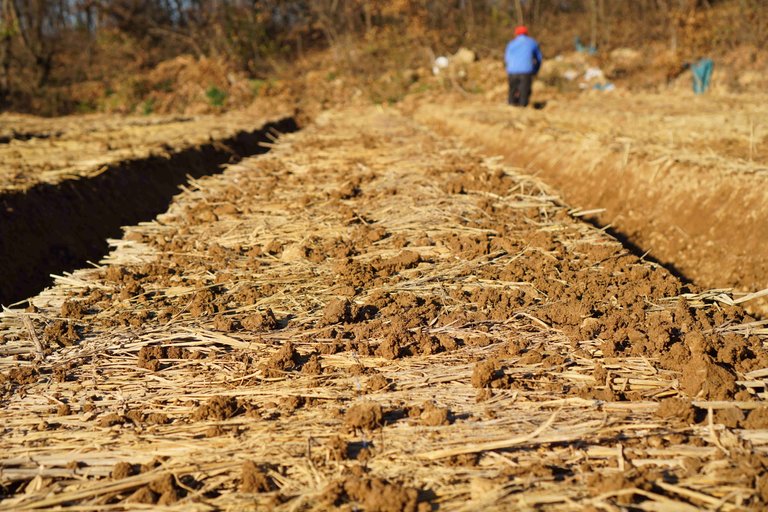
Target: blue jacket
(522, 55)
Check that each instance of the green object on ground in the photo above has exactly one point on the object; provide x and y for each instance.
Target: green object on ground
(702, 74)
(216, 96)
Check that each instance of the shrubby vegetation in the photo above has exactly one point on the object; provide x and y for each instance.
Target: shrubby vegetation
(59, 56)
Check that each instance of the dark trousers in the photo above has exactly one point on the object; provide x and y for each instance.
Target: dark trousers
(520, 89)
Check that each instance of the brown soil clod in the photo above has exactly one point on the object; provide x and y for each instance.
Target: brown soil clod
(403, 261)
(224, 323)
(337, 449)
(263, 321)
(703, 376)
(364, 416)
(374, 495)
(73, 309)
(432, 415)
(123, 470)
(336, 311)
(284, 360)
(61, 333)
(149, 356)
(111, 419)
(488, 374)
(218, 408)
(312, 366)
(255, 478)
(142, 495)
(757, 419)
(20, 376)
(167, 489)
(679, 409)
(378, 382)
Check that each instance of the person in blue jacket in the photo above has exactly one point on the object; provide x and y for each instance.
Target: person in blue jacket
(522, 59)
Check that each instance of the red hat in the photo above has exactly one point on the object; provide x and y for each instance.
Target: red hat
(521, 30)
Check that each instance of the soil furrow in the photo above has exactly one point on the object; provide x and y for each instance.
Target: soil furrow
(689, 202)
(55, 228)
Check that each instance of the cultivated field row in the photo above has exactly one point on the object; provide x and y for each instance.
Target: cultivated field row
(372, 316)
(681, 178)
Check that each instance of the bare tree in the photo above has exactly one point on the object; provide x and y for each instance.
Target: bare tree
(7, 31)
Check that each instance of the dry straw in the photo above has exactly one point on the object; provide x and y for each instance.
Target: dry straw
(531, 445)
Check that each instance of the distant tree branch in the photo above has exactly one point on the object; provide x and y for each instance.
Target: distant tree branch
(189, 40)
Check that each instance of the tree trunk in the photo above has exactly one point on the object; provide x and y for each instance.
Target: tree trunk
(44, 65)
(368, 17)
(6, 34)
(519, 12)
(593, 24)
(604, 33)
(470, 13)
(5, 59)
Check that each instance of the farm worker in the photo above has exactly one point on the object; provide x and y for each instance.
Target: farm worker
(522, 59)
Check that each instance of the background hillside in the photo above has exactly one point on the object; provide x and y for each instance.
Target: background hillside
(191, 56)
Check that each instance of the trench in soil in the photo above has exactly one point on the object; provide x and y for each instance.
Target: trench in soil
(50, 229)
(635, 249)
(6, 139)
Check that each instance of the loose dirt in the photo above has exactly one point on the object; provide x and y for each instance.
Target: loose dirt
(373, 317)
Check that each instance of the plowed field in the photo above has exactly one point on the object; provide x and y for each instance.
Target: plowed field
(376, 317)
(682, 178)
